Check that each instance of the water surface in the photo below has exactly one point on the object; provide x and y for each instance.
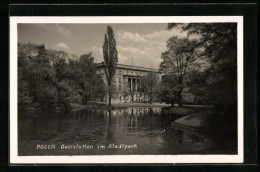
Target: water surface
(140, 131)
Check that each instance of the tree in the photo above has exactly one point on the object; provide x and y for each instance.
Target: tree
(167, 91)
(25, 53)
(179, 55)
(110, 58)
(36, 72)
(49, 78)
(85, 76)
(24, 99)
(196, 87)
(99, 88)
(149, 85)
(217, 39)
(219, 44)
(44, 77)
(141, 89)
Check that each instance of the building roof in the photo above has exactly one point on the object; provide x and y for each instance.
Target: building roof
(131, 67)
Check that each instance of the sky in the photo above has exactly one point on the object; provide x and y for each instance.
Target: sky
(142, 43)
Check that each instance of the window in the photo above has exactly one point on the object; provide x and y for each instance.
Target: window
(119, 80)
(119, 87)
(120, 72)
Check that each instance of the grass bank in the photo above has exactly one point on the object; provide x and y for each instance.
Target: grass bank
(208, 120)
(195, 121)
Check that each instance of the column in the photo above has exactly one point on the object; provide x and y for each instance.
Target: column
(130, 90)
(131, 84)
(137, 87)
(134, 84)
(134, 88)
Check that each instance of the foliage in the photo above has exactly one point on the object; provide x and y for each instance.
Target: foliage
(196, 86)
(178, 57)
(168, 89)
(49, 78)
(110, 58)
(219, 44)
(141, 89)
(149, 86)
(217, 39)
(24, 99)
(40, 77)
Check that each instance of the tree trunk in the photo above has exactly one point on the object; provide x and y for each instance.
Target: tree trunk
(109, 95)
(172, 103)
(109, 101)
(180, 98)
(86, 100)
(180, 91)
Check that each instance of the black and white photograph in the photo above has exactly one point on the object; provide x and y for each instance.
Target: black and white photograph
(136, 89)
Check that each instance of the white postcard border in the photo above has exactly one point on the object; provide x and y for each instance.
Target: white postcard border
(75, 159)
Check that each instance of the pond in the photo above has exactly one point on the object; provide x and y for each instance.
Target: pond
(137, 130)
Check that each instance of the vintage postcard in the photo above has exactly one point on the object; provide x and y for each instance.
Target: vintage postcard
(126, 89)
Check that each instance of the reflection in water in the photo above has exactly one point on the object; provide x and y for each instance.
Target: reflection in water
(109, 135)
(149, 128)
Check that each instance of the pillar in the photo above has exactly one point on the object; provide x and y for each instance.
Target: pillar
(131, 84)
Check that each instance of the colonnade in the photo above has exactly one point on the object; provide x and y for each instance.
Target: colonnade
(133, 83)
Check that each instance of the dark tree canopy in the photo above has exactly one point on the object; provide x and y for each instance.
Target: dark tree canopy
(219, 44)
(168, 89)
(218, 40)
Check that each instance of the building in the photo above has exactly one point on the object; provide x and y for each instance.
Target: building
(126, 81)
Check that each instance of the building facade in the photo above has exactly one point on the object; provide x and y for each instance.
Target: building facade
(126, 81)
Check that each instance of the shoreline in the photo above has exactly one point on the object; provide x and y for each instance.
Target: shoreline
(184, 110)
(75, 106)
